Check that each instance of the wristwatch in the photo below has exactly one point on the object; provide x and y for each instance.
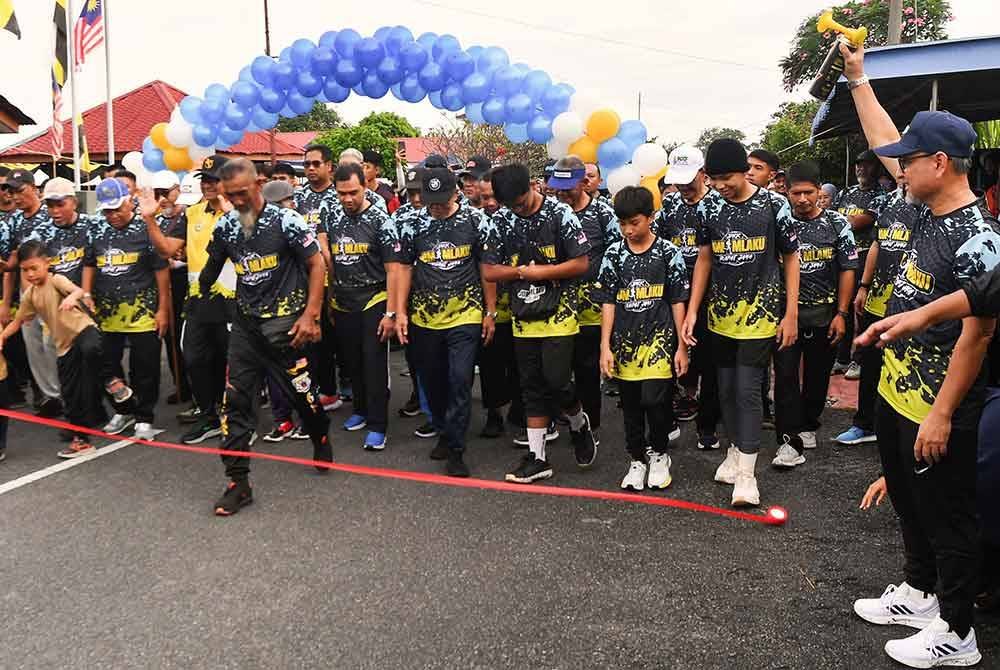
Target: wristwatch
(389, 315)
(492, 315)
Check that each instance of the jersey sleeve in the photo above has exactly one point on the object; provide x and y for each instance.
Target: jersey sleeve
(978, 255)
(219, 247)
(485, 235)
(846, 247)
(388, 240)
(407, 251)
(678, 287)
(607, 276)
(612, 229)
(788, 241)
(572, 239)
(300, 236)
(496, 251)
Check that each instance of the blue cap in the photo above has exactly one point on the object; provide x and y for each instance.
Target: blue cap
(932, 132)
(564, 180)
(111, 193)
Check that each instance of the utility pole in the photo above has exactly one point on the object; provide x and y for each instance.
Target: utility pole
(267, 50)
(638, 112)
(895, 21)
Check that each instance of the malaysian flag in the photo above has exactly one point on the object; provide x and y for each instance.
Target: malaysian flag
(88, 31)
(59, 72)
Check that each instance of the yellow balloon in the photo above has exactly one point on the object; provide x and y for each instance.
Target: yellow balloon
(651, 185)
(177, 159)
(158, 134)
(585, 148)
(603, 125)
(662, 173)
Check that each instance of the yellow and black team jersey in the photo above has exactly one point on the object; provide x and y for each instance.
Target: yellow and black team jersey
(892, 232)
(854, 201)
(678, 222)
(65, 245)
(555, 234)
(643, 287)
(272, 279)
(826, 248)
(319, 208)
(125, 292)
(945, 253)
(195, 228)
(445, 288)
(745, 295)
(600, 224)
(360, 246)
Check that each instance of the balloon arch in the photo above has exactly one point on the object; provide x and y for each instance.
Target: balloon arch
(480, 80)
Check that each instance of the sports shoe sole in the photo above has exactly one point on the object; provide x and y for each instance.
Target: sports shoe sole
(360, 426)
(124, 427)
(538, 476)
(633, 489)
(207, 435)
(425, 436)
(789, 465)
(862, 440)
(706, 447)
(243, 503)
(333, 406)
(69, 455)
(373, 447)
(280, 438)
(918, 623)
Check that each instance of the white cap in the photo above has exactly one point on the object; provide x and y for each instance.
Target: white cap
(685, 161)
(351, 155)
(165, 179)
(58, 189)
(190, 190)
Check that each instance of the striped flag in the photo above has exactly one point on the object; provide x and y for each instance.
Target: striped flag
(59, 72)
(57, 125)
(88, 31)
(8, 21)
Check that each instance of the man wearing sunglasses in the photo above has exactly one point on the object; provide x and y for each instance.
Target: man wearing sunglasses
(932, 385)
(31, 212)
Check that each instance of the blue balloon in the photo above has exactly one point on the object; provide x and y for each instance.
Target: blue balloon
(540, 129)
(396, 92)
(147, 145)
(475, 88)
(217, 91)
(358, 89)
(431, 77)
(507, 80)
(369, 52)
(612, 154)
(323, 61)
(263, 70)
(474, 112)
(411, 89)
(245, 94)
(286, 55)
(458, 65)
(246, 74)
(373, 86)
(334, 92)
(632, 133)
(389, 71)
(516, 132)
(204, 136)
(398, 37)
(236, 117)
(491, 59)
(308, 84)
(212, 111)
(284, 76)
(382, 34)
(495, 111)
(328, 39)
(272, 101)
(229, 136)
(413, 56)
(302, 50)
(347, 73)
(434, 97)
(475, 51)
(555, 99)
(345, 41)
(451, 97)
(444, 46)
(153, 160)
(519, 108)
(287, 112)
(427, 41)
(191, 109)
(535, 83)
(264, 119)
(299, 103)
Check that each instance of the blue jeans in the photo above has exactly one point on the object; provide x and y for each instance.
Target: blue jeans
(446, 361)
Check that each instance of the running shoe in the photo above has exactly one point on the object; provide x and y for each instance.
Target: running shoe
(787, 457)
(331, 402)
(659, 471)
(118, 390)
(207, 429)
(839, 368)
(853, 371)
(584, 445)
(410, 409)
(355, 422)
(78, 447)
(280, 432)
(145, 431)
(118, 424)
(855, 435)
(529, 470)
(808, 438)
(635, 478)
(900, 605)
(934, 646)
(708, 441)
(299, 433)
(236, 496)
(374, 441)
(426, 431)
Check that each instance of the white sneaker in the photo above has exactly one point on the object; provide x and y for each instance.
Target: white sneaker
(787, 457)
(675, 433)
(659, 471)
(899, 605)
(853, 371)
(144, 431)
(745, 491)
(808, 438)
(726, 472)
(118, 424)
(935, 645)
(635, 478)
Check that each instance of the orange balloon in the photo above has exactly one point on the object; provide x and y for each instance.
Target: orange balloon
(158, 134)
(177, 159)
(651, 185)
(603, 125)
(585, 148)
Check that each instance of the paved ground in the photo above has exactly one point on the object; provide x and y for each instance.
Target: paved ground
(118, 563)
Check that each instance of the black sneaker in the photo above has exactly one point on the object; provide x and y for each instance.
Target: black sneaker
(584, 445)
(237, 495)
(440, 451)
(323, 452)
(280, 432)
(426, 431)
(209, 428)
(456, 465)
(685, 408)
(494, 425)
(529, 470)
(410, 409)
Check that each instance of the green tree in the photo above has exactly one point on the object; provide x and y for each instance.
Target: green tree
(709, 135)
(462, 139)
(363, 138)
(319, 118)
(809, 48)
(390, 125)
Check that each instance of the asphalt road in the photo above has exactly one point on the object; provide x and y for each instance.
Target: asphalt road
(119, 563)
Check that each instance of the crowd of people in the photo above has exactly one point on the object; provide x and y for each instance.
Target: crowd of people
(266, 293)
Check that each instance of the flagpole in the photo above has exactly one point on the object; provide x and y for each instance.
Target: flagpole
(107, 78)
(70, 58)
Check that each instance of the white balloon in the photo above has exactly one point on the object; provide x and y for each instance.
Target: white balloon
(621, 177)
(143, 177)
(176, 114)
(180, 133)
(584, 104)
(567, 128)
(198, 154)
(132, 161)
(557, 149)
(649, 159)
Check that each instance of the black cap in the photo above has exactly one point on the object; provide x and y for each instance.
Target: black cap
(932, 132)
(413, 180)
(866, 156)
(725, 156)
(20, 178)
(210, 166)
(435, 160)
(372, 156)
(437, 185)
(477, 166)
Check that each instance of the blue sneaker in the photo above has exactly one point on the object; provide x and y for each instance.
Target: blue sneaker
(346, 394)
(375, 441)
(708, 441)
(855, 435)
(356, 422)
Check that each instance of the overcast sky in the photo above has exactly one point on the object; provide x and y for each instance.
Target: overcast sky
(698, 64)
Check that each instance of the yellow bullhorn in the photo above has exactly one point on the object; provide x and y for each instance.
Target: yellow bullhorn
(856, 36)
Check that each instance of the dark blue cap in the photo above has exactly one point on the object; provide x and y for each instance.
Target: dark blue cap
(932, 132)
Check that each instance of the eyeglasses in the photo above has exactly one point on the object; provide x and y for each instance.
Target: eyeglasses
(905, 161)
(314, 164)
